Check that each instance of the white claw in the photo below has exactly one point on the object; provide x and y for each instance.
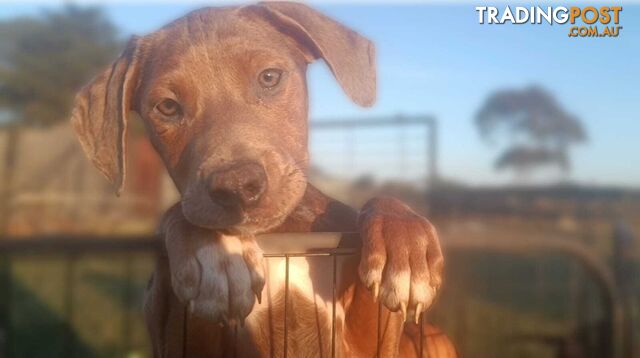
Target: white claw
(418, 312)
(376, 291)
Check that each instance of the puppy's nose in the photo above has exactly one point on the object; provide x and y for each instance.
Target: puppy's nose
(242, 184)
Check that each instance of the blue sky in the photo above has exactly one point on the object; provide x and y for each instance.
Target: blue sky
(436, 59)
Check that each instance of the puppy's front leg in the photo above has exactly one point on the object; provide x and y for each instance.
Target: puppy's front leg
(401, 265)
(401, 257)
(217, 275)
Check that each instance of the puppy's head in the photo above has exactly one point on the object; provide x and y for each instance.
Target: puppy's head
(223, 95)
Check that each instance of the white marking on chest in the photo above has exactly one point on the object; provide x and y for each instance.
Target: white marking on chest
(310, 308)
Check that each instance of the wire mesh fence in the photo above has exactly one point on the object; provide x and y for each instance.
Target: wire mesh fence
(400, 148)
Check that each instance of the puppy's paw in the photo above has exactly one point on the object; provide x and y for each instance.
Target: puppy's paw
(401, 257)
(218, 276)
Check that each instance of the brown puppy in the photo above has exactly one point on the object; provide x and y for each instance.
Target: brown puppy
(222, 93)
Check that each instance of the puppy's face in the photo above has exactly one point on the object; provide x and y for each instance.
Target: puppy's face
(225, 104)
(223, 95)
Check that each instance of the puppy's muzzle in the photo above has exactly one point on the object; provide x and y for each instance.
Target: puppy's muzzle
(241, 185)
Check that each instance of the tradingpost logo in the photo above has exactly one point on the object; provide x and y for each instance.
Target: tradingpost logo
(587, 21)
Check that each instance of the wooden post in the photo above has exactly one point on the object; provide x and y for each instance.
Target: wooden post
(11, 150)
(623, 241)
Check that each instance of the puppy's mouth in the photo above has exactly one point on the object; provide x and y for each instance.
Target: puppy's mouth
(225, 211)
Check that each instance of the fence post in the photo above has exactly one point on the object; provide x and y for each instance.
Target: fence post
(69, 304)
(127, 299)
(6, 192)
(433, 153)
(623, 268)
(5, 306)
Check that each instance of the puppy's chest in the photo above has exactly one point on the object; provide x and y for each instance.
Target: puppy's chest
(306, 284)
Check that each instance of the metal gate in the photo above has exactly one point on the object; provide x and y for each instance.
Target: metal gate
(72, 248)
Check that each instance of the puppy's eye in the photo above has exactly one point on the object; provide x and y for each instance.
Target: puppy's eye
(270, 77)
(169, 108)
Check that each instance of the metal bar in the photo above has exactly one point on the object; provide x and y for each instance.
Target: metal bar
(6, 324)
(372, 122)
(378, 338)
(623, 242)
(69, 244)
(102, 244)
(333, 305)
(346, 252)
(432, 156)
(420, 327)
(70, 341)
(286, 303)
(127, 299)
(235, 340)
(185, 330)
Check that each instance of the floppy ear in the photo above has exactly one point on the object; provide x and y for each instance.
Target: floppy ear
(350, 56)
(100, 113)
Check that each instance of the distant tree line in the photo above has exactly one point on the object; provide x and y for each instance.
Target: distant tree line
(44, 60)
